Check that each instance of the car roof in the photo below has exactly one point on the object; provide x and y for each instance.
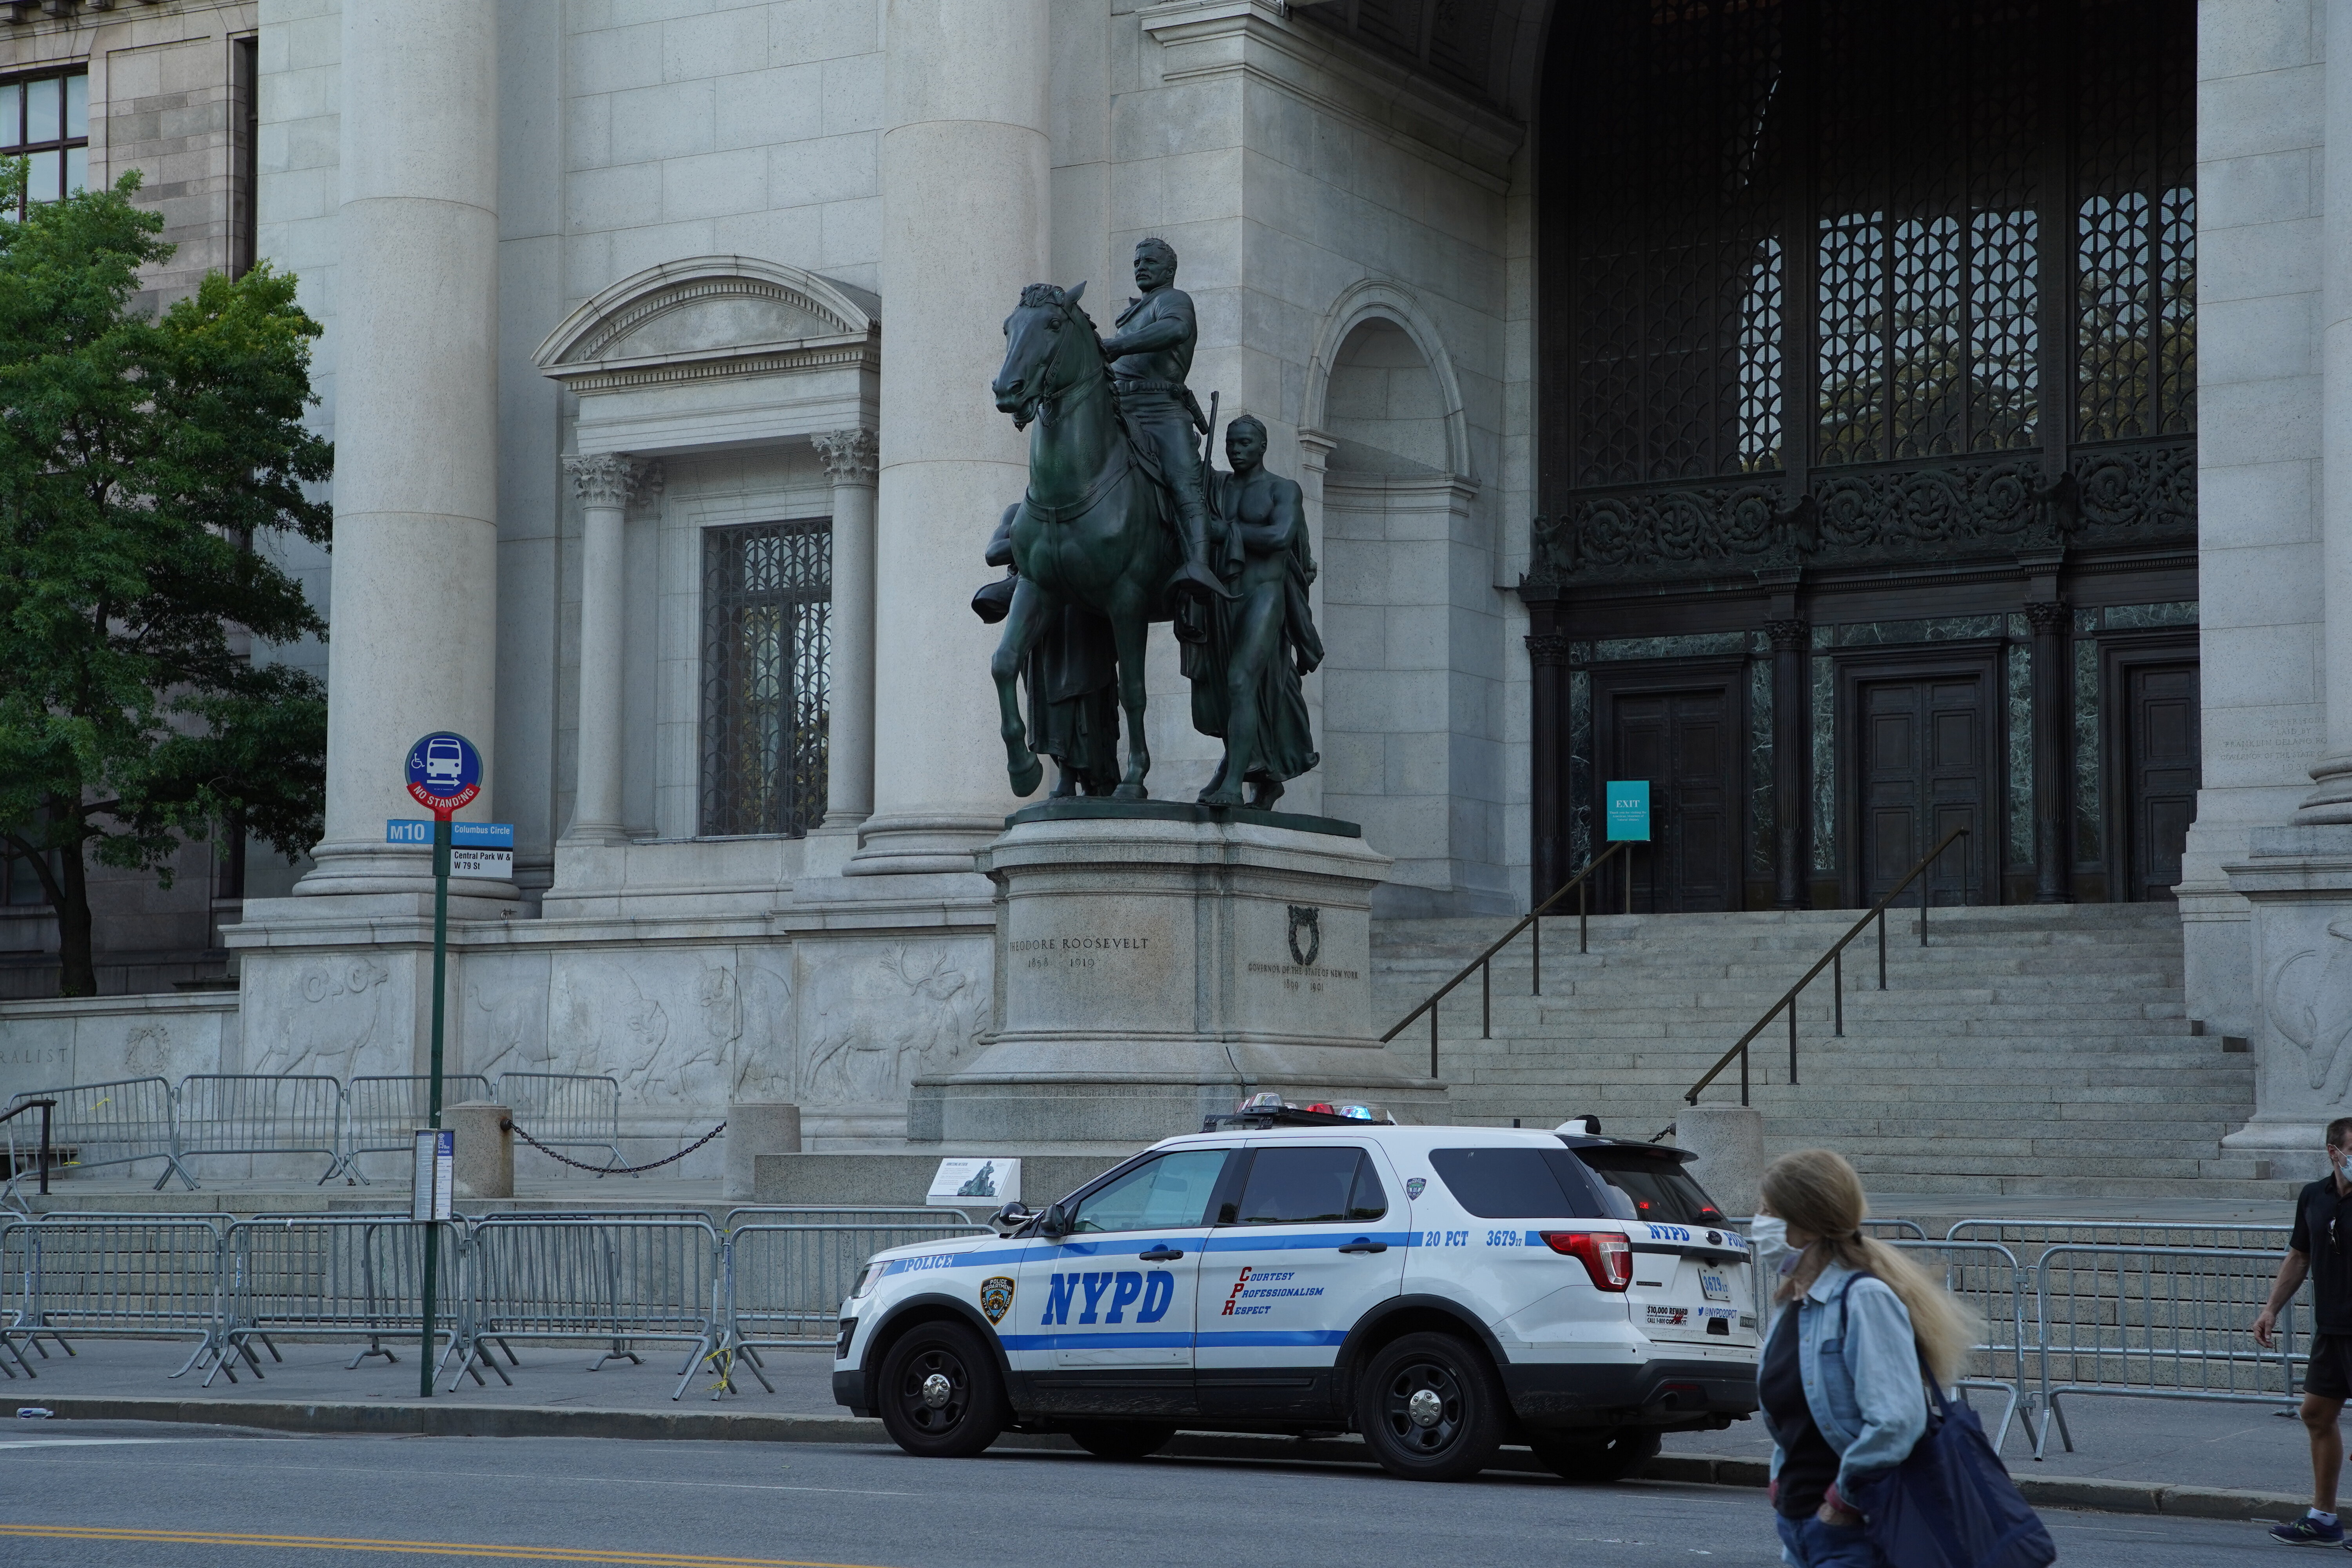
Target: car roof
(1407, 1139)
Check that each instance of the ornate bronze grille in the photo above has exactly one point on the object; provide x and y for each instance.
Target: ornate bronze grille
(1844, 280)
(767, 593)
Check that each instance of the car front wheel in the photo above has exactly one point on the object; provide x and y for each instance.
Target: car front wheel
(1430, 1408)
(941, 1395)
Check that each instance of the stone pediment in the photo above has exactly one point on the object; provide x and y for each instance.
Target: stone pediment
(709, 316)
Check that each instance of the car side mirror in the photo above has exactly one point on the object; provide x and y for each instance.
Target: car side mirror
(1055, 1224)
(1011, 1217)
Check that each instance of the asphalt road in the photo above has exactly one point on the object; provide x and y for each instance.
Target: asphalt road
(137, 1496)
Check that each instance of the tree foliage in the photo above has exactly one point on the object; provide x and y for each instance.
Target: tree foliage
(141, 457)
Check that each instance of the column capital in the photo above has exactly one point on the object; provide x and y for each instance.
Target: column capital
(1546, 649)
(1787, 636)
(851, 456)
(610, 478)
(2047, 616)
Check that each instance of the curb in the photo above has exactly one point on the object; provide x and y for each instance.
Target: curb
(470, 1420)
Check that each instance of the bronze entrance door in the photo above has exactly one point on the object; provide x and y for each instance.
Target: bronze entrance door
(1923, 751)
(1686, 742)
(2161, 771)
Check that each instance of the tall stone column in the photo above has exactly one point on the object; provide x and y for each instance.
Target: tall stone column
(2054, 760)
(2297, 878)
(603, 483)
(2331, 801)
(415, 598)
(965, 203)
(850, 742)
(1793, 765)
(1551, 854)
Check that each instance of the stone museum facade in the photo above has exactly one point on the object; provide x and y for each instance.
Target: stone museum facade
(1864, 422)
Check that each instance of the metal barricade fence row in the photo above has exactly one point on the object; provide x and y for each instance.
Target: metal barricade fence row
(2158, 1322)
(785, 1282)
(125, 1275)
(2024, 1235)
(339, 1276)
(1985, 1276)
(261, 1113)
(119, 1123)
(604, 1281)
(382, 1112)
(566, 1111)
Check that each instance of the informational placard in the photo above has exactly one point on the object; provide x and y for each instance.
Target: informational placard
(966, 1183)
(434, 1181)
(1629, 810)
(476, 848)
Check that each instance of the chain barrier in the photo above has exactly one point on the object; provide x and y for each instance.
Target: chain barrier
(507, 1125)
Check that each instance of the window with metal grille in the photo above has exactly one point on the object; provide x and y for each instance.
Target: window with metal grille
(44, 119)
(767, 595)
(1837, 276)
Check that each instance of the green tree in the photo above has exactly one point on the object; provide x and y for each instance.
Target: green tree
(141, 457)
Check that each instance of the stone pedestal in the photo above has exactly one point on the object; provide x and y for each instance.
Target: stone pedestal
(1729, 1142)
(755, 1127)
(2298, 883)
(1156, 962)
(485, 1161)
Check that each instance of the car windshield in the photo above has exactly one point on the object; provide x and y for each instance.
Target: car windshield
(1659, 1189)
(1168, 1193)
(1518, 1183)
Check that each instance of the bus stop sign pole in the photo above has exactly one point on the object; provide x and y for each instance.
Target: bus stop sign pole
(445, 773)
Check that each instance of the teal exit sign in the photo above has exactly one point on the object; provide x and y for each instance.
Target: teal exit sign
(1629, 809)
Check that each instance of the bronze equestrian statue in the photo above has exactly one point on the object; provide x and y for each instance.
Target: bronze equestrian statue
(1119, 528)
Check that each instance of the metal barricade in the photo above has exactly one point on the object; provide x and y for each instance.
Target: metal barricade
(342, 1276)
(566, 1111)
(118, 1123)
(786, 1282)
(1985, 1276)
(261, 1113)
(382, 1112)
(1894, 1229)
(145, 1277)
(2027, 1236)
(609, 1280)
(868, 1214)
(2158, 1322)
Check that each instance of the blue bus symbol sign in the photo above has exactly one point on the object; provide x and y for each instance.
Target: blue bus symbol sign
(1629, 809)
(444, 771)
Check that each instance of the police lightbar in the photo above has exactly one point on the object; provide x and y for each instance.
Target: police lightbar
(1268, 1108)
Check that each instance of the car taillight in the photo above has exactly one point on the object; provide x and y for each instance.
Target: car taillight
(1606, 1255)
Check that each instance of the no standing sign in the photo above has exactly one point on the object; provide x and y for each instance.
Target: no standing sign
(444, 771)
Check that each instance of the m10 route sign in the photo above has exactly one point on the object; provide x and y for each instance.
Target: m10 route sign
(444, 771)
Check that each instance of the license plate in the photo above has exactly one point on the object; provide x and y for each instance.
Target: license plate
(1715, 1287)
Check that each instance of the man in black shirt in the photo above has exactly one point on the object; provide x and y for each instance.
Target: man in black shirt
(2321, 1248)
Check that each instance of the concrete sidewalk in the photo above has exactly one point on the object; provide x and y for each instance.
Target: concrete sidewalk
(2131, 1455)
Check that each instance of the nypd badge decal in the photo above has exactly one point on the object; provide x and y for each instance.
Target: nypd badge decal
(1413, 1185)
(996, 1298)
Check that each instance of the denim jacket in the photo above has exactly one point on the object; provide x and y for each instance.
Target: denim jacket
(1861, 1369)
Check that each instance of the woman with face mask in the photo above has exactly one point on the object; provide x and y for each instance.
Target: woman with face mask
(1839, 1380)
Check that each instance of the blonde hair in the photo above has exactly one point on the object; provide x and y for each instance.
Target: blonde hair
(1815, 1190)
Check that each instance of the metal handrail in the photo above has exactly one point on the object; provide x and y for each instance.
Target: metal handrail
(1533, 918)
(1835, 959)
(44, 1106)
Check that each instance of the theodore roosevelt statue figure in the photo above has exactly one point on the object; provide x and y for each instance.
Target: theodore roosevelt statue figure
(1150, 354)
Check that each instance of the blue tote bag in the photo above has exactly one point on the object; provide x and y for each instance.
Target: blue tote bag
(1951, 1504)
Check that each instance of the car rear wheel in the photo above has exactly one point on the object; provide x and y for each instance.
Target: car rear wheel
(1602, 1455)
(942, 1396)
(1430, 1408)
(1121, 1439)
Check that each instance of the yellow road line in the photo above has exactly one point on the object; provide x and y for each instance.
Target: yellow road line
(415, 1548)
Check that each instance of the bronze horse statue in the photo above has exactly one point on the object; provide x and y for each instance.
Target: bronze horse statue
(1093, 532)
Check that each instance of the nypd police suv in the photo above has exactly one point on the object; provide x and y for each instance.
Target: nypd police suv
(1443, 1290)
